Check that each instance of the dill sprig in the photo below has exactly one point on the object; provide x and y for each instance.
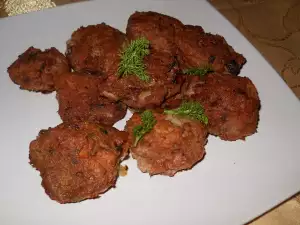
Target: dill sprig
(192, 110)
(148, 122)
(198, 71)
(132, 59)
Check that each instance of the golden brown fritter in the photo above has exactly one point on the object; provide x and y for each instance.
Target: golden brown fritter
(197, 49)
(174, 144)
(79, 99)
(78, 161)
(231, 103)
(193, 46)
(95, 49)
(158, 28)
(34, 70)
(140, 94)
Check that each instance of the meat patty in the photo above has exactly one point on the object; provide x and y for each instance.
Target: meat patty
(78, 161)
(34, 70)
(174, 144)
(158, 28)
(231, 103)
(139, 94)
(95, 49)
(79, 99)
(197, 49)
(160, 64)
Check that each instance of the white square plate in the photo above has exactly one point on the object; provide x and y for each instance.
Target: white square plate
(236, 181)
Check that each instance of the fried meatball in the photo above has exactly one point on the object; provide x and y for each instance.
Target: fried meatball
(197, 48)
(95, 49)
(231, 104)
(140, 94)
(159, 29)
(174, 144)
(77, 161)
(79, 99)
(34, 70)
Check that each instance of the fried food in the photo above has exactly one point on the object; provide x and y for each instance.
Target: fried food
(185, 76)
(79, 99)
(78, 161)
(198, 49)
(34, 70)
(95, 49)
(161, 63)
(158, 28)
(139, 94)
(174, 144)
(231, 103)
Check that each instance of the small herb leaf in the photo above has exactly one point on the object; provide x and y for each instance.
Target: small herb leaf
(132, 59)
(192, 110)
(148, 122)
(198, 71)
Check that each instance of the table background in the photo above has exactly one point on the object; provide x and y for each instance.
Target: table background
(272, 26)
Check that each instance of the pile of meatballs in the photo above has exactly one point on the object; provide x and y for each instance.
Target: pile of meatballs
(80, 158)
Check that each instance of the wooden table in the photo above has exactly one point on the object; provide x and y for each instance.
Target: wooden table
(272, 26)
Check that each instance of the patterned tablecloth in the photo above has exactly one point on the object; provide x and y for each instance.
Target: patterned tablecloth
(272, 26)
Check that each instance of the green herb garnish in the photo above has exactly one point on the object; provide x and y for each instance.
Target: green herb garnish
(132, 59)
(198, 71)
(148, 122)
(193, 110)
